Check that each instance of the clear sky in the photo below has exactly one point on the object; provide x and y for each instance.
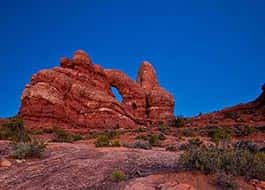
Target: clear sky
(208, 54)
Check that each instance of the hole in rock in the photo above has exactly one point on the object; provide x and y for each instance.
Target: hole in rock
(116, 94)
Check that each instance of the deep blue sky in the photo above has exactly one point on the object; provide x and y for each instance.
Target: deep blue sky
(208, 54)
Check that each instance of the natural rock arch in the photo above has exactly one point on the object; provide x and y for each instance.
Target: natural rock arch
(78, 96)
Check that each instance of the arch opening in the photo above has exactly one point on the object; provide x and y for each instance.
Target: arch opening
(116, 93)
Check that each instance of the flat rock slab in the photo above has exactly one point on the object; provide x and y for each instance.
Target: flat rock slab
(84, 167)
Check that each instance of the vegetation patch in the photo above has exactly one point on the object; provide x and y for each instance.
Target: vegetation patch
(229, 160)
(153, 139)
(115, 143)
(171, 148)
(140, 130)
(118, 176)
(31, 149)
(14, 131)
(102, 141)
(63, 136)
(164, 129)
(241, 131)
(193, 143)
(218, 134)
(180, 121)
(140, 144)
(187, 132)
(226, 182)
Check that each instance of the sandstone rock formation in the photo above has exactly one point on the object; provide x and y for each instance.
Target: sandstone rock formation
(77, 96)
(247, 114)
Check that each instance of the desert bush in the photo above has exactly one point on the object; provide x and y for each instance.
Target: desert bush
(48, 130)
(77, 137)
(218, 134)
(246, 145)
(180, 121)
(203, 159)
(257, 170)
(163, 128)
(213, 159)
(14, 130)
(193, 143)
(111, 133)
(187, 132)
(115, 143)
(102, 140)
(226, 182)
(142, 137)
(118, 176)
(171, 148)
(62, 136)
(140, 144)
(31, 149)
(244, 130)
(140, 130)
(153, 139)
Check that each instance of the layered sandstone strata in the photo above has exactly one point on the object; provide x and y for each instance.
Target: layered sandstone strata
(78, 96)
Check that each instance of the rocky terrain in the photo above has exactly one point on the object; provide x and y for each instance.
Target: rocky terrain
(72, 133)
(251, 114)
(82, 166)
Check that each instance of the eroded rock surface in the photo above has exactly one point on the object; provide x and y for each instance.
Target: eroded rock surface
(83, 167)
(77, 96)
(245, 114)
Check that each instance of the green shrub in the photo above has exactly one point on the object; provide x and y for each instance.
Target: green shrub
(111, 133)
(163, 128)
(154, 140)
(115, 143)
(187, 132)
(118, 176)
(62, 136)
(180, 121)
(213, 159)
(171, 148)
(140, 130)
(48, 130)
(35, 132)
(244, 130)
(246, 145)
(193, 143)
(226, 182)
(77, 137)
(202, 159)
(14, 130)
(32, 149)
(258, 169)
(218, 134)
(102, 141)
(140, 144)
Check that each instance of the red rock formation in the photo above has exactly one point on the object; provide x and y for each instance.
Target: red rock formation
(159, 103)
(77, 96)
(248, 114)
